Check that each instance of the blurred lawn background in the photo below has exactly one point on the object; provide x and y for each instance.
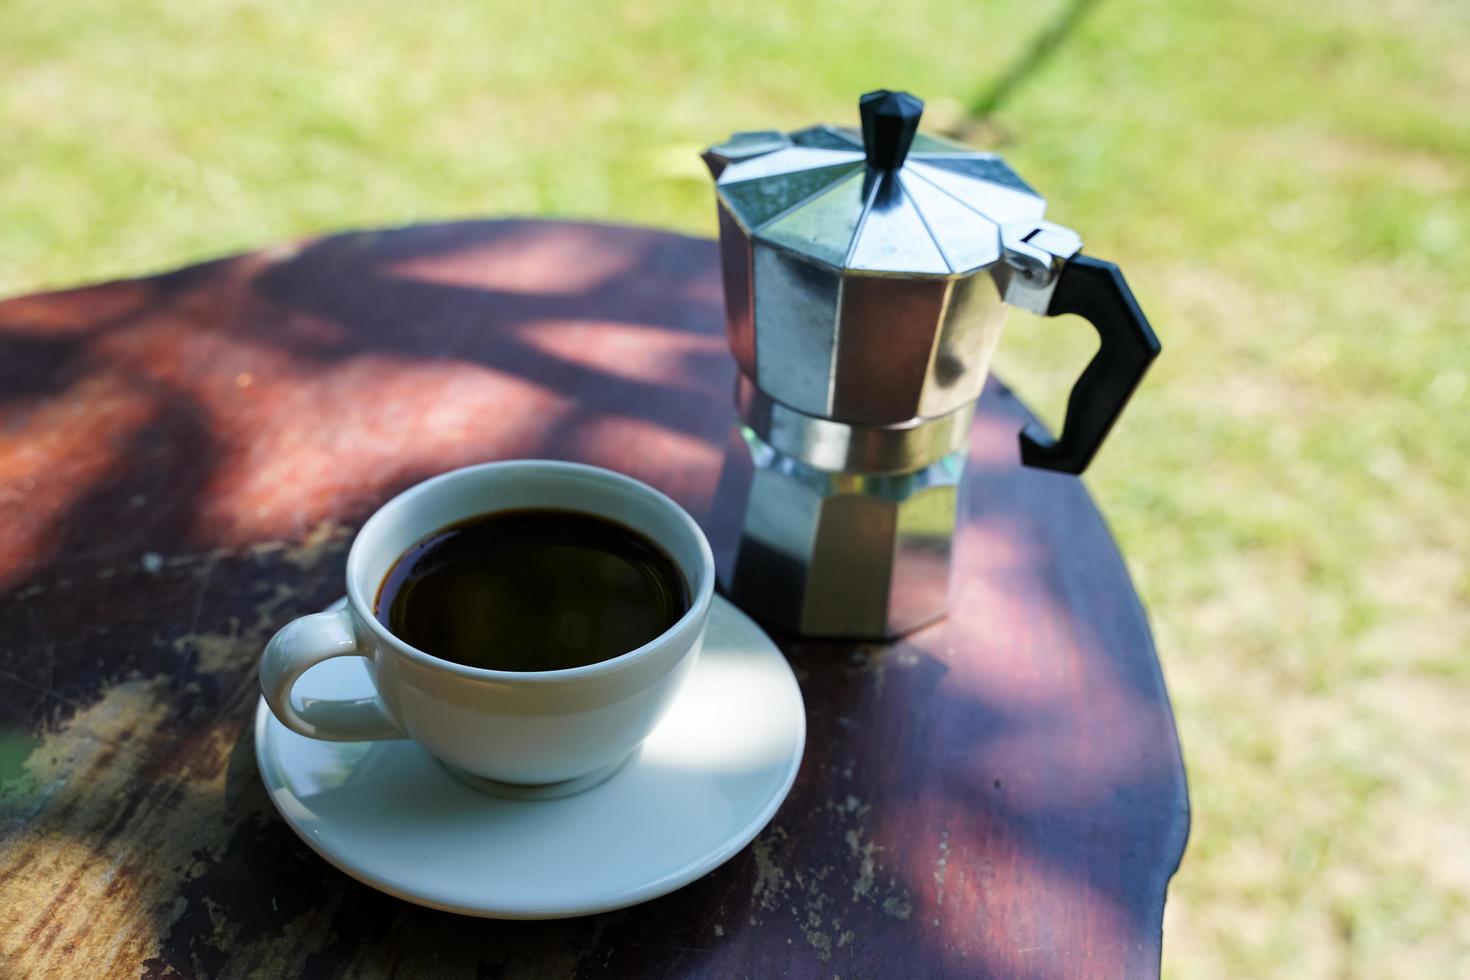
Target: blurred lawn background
(1286, 185)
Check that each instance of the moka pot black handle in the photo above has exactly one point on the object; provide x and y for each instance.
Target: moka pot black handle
(1096, 291)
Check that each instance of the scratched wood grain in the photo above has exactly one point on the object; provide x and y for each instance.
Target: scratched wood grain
(182, 462)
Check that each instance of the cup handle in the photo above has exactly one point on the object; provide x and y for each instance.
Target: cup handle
(302, 644)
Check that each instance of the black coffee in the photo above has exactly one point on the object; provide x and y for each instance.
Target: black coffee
(532, 590)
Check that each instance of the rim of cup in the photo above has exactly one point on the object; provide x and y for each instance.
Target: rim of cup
(702, 592)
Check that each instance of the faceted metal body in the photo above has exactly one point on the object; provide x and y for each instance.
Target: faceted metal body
(846, 554)
(866, 286)
(860, 295)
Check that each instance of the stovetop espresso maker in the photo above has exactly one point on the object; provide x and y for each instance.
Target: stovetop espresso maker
(867, 276)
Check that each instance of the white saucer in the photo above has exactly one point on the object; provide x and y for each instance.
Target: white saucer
(704, 784)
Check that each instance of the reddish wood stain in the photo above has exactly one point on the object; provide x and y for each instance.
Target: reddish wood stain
(182, 460)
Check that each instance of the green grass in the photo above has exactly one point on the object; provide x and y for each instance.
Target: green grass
(1287, 186)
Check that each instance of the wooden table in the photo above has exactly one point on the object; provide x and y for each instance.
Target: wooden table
(183, 460)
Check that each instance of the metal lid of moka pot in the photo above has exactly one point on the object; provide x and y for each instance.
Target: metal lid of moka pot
(888, 200)
(852, 263)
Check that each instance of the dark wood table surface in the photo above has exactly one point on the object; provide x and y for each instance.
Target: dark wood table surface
(183, 461)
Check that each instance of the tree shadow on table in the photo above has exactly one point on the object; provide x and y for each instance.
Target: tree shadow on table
(187, 586)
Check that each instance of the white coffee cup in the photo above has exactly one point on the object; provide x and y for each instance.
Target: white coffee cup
(548, 731)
